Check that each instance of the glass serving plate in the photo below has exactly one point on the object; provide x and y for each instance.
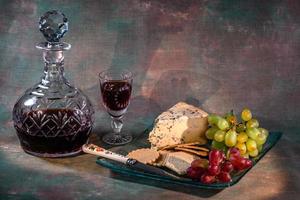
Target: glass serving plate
(144, 176)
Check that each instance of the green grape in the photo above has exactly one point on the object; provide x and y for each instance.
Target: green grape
(242, 137)
(252, 123)
(253, 153)
(261, 138)
(246, 114)
(252, 133)
(222, 124)
(242, 147)
(213, 119)
(245, 155)
(251, 145)
(218, 145)
(219, 136)
(264, 131)
(240, 128)
(231, 119)
(210, 133)
(230, 138)
(259, 148)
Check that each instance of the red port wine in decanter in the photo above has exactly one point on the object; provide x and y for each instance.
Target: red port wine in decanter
(53, 118)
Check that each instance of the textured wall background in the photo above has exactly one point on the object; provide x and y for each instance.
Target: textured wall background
(215, 54)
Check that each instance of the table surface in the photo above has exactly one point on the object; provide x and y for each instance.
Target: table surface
(219, 55)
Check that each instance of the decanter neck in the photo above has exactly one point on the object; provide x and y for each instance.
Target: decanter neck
(54, 63)
(54, 66)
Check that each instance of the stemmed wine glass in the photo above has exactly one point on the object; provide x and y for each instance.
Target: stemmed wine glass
(116, 87)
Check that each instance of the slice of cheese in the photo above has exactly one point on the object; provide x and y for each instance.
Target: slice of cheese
(179, 161)
(182, 123)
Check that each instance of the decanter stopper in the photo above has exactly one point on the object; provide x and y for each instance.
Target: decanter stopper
(53, 24)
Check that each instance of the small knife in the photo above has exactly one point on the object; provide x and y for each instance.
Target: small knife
(132, 163)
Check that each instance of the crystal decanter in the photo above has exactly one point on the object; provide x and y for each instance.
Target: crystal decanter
(53, 118)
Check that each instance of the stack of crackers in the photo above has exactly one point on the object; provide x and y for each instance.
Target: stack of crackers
(192, 148)
(175, 157)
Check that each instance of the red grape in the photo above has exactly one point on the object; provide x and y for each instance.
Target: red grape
(213, 170)
(227, 167)
(241, 163)
(222, 157)
(224, 177)
(195, 173)
(199, 163)
(207, 179)
(234, 152)
(248, 163)
(236, 162)
(244, 163)
(215, 157)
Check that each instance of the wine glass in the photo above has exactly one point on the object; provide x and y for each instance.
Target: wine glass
(116, 87)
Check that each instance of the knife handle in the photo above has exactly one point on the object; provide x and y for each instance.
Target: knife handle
(99, 151)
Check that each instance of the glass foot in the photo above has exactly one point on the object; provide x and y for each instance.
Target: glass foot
(54, 155)
(117, 139)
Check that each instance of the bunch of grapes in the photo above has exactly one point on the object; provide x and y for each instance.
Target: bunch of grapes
(217, 168)
(226, 132)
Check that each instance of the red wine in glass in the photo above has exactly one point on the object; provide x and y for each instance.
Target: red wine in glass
(116, 87)
(116, 95)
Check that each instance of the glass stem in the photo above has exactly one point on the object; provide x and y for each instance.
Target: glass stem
(116, 124)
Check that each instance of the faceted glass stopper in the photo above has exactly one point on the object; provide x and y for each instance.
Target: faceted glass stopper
(53, 24)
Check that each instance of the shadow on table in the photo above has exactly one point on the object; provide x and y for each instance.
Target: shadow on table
(205, 193)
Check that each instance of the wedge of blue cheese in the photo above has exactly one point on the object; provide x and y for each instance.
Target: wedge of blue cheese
(182, 123)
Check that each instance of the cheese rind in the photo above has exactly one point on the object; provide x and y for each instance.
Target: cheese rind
(182, 123)
(179, 162)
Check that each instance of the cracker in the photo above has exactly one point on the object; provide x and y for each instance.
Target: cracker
(194, 147)
(189, 144)
(199, 153)
(201, 142)
(168, 147)
(161, 160)
(146, 155)
(177, 145)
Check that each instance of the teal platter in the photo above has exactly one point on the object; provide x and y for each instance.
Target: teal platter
(143, 176)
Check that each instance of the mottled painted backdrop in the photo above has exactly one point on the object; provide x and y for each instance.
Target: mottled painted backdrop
(219, 55)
